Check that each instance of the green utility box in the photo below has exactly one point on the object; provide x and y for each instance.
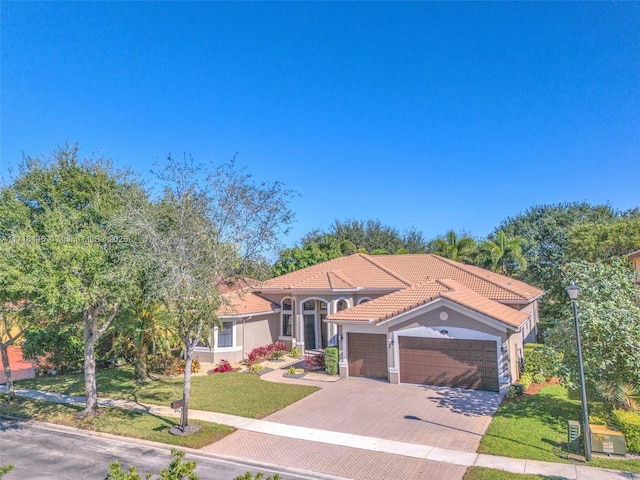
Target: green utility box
(573, 430)
(605, 440)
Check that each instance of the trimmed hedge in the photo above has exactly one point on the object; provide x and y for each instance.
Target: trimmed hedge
(541, 360)
(629, 425)
(331, 360)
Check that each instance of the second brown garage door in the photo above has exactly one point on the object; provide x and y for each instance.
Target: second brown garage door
(367, 354)
(449, 362)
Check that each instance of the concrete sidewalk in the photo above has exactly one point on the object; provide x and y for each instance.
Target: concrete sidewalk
(373, 444)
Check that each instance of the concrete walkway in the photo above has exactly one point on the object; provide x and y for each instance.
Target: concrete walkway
(373, 444)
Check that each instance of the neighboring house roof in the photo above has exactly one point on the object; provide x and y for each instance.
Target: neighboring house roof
(396, 303)
(242, 303)
(635, 254)
(396, 272)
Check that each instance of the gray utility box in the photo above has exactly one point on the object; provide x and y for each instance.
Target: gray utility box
(605, 440)
(573, 431)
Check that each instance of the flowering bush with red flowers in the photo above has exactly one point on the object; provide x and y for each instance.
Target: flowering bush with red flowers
(313, 362)
(265, 351)
(222, 367)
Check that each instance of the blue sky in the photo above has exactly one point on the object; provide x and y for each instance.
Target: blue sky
(433, 115)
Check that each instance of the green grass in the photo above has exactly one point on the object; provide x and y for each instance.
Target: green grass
(535, 427)
(481, 473)
(117, 422)
(233, 393)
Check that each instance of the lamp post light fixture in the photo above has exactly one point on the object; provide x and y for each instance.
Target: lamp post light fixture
(572, 291)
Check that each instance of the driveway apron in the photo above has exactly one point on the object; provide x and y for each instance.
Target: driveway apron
(443, 417)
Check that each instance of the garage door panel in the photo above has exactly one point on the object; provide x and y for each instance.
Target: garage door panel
(367, 355)
(449, 362)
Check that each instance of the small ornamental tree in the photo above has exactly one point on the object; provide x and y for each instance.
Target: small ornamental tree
(206, 228)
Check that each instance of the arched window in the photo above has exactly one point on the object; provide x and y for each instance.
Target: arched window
(363, 300)
(287, 315)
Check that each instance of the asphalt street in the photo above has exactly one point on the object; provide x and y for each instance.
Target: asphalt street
(40, 452)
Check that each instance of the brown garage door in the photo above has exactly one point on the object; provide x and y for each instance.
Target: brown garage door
(449, 362)
(367, 355)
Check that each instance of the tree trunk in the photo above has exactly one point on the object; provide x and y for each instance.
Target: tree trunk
(90, 338)
(11, 394)
(141, 370)
(186, 391)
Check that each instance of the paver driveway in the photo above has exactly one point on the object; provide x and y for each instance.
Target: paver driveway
(443, 417)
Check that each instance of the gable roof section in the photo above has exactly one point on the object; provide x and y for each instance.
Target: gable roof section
(396, 303)
(394, 272)
(241, 303)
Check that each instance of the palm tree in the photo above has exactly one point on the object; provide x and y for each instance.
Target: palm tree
(146, 329)
(460, 249)
(503, 255)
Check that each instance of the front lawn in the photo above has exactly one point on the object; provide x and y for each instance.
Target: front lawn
(535, 427)
(482, 473)
(117, 422)
(233, 393)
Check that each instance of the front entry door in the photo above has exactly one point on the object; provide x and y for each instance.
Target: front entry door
(310, 332)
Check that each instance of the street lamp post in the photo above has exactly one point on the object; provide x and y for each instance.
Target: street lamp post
(572, 291)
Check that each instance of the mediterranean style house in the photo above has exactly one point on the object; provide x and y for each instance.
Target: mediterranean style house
(419, 319)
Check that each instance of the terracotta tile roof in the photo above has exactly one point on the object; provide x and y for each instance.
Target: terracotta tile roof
(353, 271)
(391, 305)
(394, 272)
(396, 303)
(244, 302)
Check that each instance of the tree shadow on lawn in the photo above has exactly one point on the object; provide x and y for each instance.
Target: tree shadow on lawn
(471, 403)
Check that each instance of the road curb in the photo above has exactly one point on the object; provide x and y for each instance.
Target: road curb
(267, 468)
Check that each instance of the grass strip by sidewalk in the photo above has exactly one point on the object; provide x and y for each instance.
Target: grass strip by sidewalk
(535, 427)
(232, 393)
(115, 421)
(482, 473)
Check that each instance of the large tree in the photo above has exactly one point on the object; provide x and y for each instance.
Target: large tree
(544, 231)
(206, 227)
(609, 317)
(603, 241)
(83, 274)
(20, 256)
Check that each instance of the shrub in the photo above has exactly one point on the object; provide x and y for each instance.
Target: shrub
(331, 360)
(291, 371)
(257, 369)
(265, 351)
(541, 359)
(538, 378)
(526, 379)
(295, 352)
(277, 355)
(223, 367)
(177, 469)
(629, 425)
(5, 469)
(314, 361)
(62, 345)
(166, 364)
(257, 476)
(195, 365)
(513, 392)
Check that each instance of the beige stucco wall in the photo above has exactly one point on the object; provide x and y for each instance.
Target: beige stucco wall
(247, 334)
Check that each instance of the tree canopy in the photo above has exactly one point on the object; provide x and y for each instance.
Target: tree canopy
(609, 315)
